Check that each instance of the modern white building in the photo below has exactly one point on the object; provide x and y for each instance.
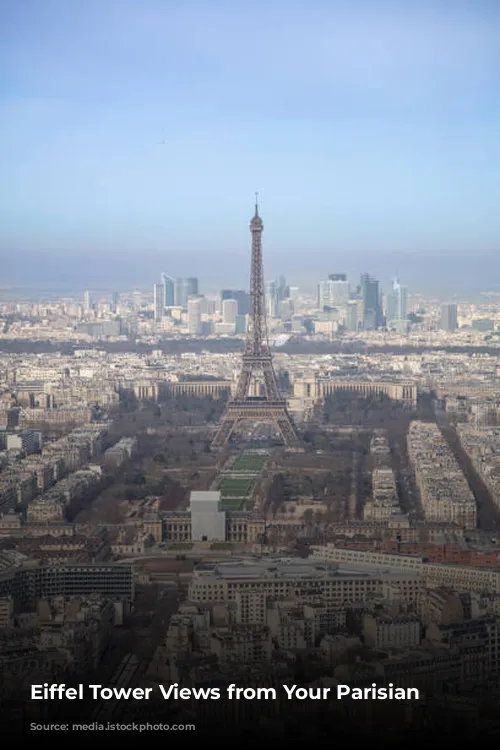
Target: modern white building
(194, 312)
(229, 311)
(28, 441)
(333, 293)
(208, 519)
(158, 301)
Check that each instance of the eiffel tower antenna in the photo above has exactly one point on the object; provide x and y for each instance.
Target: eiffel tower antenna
(257, 359)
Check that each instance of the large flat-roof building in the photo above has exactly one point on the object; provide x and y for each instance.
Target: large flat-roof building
(28, 580)
(291, 577)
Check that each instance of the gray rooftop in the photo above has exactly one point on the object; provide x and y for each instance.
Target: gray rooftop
(286, 569)
(199, 496)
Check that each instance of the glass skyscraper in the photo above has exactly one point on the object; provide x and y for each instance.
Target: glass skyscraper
(372, 309)
(241, 297)
(397, 305)
(169, 287)
(185, 288)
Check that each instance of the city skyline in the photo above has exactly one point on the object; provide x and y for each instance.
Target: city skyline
(44, 277)
(375, 136)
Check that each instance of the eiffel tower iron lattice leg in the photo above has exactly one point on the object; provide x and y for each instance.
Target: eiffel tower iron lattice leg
(257, 360)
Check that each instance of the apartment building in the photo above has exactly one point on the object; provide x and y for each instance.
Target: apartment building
(457, 577)
(384, 502)
(16, 486)
(121, 452)
(10, 524)
(129, 540)
(46, 509)
(379, 448)
(454, 550)
(78, 448)
(385, 632)
(80, 625)
(45, 472)
(481, 445)
(53, 504)
(444, 492)
(481, 631)
(63, 417)
(242, 644)
(6, 612)
(397, 528)
(348, 556)
(441, 606)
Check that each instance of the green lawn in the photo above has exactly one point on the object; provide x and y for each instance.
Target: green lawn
(234, 503)
(236, 487)
(221, 546)
(181, 545)
(249, 462)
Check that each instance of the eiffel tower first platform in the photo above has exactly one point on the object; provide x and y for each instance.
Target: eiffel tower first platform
(257, 361)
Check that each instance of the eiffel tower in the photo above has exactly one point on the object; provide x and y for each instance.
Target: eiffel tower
(257, 360)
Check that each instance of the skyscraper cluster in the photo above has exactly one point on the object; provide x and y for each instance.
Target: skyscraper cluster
(275, 293)
(341, 306)
(184, 289)
(170, 292)
(179, 299)
(362, 308)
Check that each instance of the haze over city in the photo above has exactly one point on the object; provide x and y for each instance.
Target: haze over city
(134, 137)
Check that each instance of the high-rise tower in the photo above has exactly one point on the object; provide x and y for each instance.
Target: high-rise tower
(397, 305)
(87, 303)
(449, 317)
(268, 406)
(372, 314)
(158, 301)
(169, 287)
(194, 308)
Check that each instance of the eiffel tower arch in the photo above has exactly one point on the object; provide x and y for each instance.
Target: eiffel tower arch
(267, 405)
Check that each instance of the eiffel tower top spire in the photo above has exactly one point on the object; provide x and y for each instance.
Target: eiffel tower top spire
(256, 223)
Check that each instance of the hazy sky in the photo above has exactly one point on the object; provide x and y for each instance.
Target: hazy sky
(138, 131)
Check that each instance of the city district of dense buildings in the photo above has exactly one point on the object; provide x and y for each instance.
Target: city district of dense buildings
(372, 554)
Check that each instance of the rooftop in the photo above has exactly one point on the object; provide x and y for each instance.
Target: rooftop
(199, 496)
(283, 568)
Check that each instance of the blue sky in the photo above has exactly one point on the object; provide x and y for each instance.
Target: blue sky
(367, 127)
